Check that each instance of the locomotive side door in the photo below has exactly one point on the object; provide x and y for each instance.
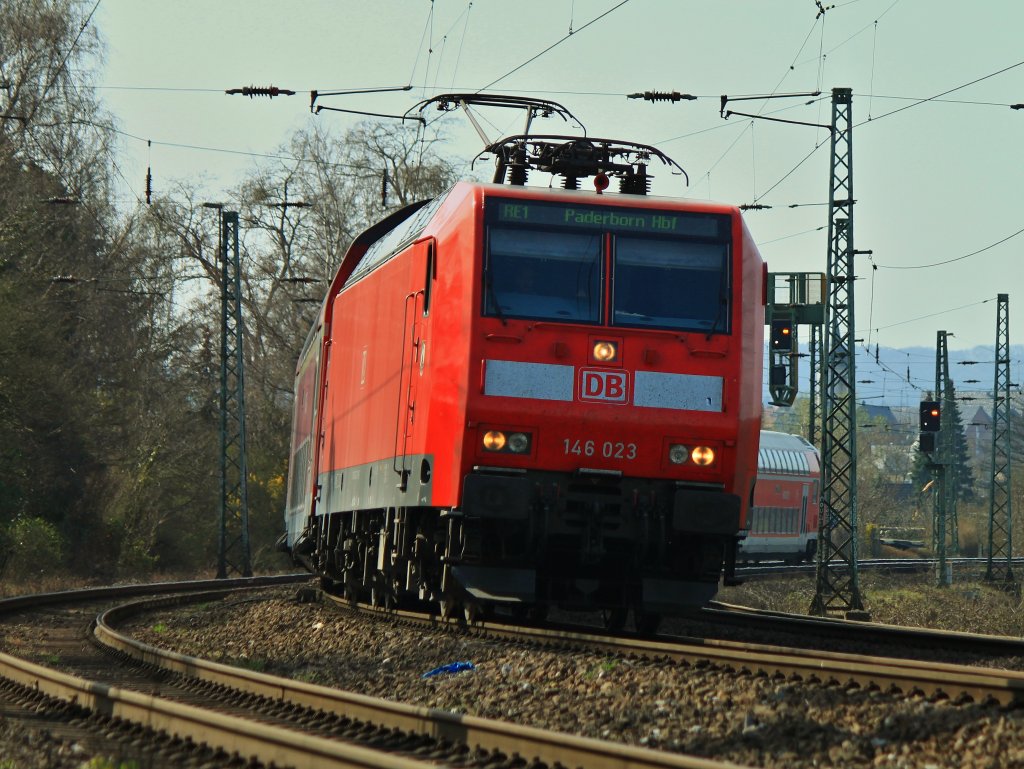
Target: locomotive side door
(414, 353)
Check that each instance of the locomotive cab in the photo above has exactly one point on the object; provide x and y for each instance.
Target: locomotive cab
(606, 350)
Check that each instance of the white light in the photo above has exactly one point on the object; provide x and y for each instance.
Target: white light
(605, 351)
(494, 440)
(703, 455)
(518, 443)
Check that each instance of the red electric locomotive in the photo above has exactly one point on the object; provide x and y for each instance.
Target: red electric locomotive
(783, 522)
(534, 397)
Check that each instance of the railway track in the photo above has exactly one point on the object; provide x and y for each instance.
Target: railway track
(890, 640)
(892, 565)
(197, 711)
(282, 721)
(927, 677)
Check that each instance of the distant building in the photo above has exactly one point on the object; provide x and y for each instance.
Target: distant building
(978, 432)
(879, 412)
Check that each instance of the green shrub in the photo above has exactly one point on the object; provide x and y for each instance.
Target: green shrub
(35, 547)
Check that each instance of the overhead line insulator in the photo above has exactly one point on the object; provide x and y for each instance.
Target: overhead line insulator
(268, 91)
(661, 96)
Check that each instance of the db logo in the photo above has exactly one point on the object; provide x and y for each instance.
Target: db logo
(603, 385)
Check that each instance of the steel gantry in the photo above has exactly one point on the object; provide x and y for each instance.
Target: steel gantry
(794, 299)
(837, 589)
(233, 540)
(1000, 509)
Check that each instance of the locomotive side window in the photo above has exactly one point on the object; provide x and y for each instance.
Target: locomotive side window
(543, 275)
(675, 284)
(393, 241)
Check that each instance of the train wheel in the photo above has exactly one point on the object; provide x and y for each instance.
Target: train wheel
(350, 587)
(614, 619)
(377, 597)
(447, 606)
(472, 612)
(382, 594)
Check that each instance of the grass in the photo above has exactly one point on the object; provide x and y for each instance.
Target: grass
(308, 677)
(969, 604)
(254, 664)
(602, 669)
(109, 763)
(11, 586)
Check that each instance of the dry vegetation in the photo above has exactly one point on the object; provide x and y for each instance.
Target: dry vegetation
(970, 604)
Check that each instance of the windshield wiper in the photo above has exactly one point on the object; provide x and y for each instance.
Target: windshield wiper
(723, 302)
(494, 298)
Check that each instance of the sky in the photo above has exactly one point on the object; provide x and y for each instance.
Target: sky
(937, 150)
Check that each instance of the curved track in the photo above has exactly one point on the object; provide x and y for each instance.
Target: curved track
(928, 677)
(191, 706)
(186, 702)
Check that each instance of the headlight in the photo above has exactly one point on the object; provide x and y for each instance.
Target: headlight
(703, 456)
(605, 352)
(677, 453)
(494, 440)
(519, 443)
(501, 442)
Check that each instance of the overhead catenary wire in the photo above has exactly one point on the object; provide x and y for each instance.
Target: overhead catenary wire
(948, 91)
(894, 112)
(954, 259)
(871, 86)
(553, 46)
(425, 35)
(935, 314)
(462, 41)
(763, 171)
(63, 63)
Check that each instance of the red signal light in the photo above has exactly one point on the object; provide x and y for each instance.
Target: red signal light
(782, 335)
(931, 416)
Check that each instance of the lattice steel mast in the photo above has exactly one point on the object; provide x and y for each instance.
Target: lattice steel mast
(1000, 509)
(942, 465)
(233, 541)
(837, 588)
(815, 353)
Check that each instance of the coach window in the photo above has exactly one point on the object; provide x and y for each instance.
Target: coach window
(673, 284)
(543, 275)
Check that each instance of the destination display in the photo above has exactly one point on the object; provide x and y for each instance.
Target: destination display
(562, 215)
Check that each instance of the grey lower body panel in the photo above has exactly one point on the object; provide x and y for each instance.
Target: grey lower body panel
(396, 482)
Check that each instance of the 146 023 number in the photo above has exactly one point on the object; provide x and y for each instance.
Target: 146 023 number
(606, 449)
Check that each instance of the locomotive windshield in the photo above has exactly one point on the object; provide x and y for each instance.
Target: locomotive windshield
(675, 284)
(547, 275)
(619, 266)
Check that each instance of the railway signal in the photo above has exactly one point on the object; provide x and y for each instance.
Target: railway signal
(782, 334)
(930, 422)
(931, 416)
